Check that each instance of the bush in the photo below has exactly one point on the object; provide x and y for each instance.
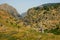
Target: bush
(55, 31)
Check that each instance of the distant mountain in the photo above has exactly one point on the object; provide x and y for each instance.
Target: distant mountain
(24, 14)
(11, 10)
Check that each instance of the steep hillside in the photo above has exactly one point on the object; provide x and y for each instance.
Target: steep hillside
(45, 17)
(10, 22)
(11, 10)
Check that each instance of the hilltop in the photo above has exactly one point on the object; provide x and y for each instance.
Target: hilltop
(11, 10)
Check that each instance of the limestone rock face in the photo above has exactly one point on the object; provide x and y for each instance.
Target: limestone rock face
(11, 10)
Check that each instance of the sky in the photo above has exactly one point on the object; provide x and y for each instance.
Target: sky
(23, 5)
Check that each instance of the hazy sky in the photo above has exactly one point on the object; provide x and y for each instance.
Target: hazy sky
(24, 5)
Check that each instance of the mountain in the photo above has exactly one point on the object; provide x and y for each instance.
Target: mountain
(40, 23)
(11, 10)
(45, 17)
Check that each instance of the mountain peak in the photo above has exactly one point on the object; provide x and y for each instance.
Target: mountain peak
(4, 4)
(11, 10)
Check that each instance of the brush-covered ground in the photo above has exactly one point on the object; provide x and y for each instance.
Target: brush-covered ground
(40, 23)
